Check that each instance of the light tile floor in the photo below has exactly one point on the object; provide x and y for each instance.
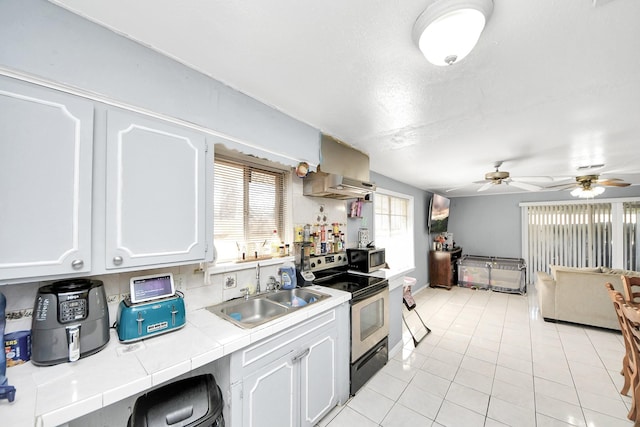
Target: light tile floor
(492, 361)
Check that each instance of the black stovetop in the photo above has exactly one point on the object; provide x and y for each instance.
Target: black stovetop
(358, 285)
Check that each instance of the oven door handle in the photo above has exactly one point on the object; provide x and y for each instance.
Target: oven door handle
(372, 290)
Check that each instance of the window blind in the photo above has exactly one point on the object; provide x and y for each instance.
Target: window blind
(249, 204)
(572, 235)
(631, 215)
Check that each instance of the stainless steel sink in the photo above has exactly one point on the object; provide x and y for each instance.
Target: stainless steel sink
(265, 307)
(298, 297)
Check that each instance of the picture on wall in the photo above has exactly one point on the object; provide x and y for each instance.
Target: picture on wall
(439, 213)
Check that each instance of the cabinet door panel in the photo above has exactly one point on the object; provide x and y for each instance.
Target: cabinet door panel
(318, 380)
(45, 181)
(268, 397)
(156, 192)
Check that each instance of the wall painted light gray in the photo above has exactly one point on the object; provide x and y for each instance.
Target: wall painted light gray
(491, 225)
(49, 42)
(421, 239)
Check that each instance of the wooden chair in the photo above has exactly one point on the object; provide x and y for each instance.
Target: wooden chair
(632, 319)
(631, 288)
(627, 370)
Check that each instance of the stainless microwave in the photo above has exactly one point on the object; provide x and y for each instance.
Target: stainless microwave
(366, 260)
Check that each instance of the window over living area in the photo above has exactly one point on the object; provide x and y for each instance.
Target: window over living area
(581, 234)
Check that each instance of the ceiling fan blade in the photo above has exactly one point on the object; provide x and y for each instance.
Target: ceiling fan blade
(455, 188)
(486, 186)
(563, 186)
(533, 178)
(601, 180)
(524, 186)
(614, 184)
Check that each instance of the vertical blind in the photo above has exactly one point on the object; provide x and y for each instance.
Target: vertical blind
(572, 235)
(631, 214)
(249, 204)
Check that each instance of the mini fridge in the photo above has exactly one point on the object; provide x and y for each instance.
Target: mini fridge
(497, 274)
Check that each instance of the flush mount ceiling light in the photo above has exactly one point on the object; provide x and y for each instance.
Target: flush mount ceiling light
(448, 30)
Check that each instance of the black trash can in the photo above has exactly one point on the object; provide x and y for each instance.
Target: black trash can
(192, 402)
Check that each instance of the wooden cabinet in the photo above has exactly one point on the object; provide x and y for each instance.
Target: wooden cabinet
(45, 181)
(443, 268)
(156, 192)
(295, 377)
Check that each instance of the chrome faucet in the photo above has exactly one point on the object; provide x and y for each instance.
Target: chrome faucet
(257, 278)
(246, 292)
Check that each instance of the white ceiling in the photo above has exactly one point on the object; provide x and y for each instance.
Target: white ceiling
(551, 85)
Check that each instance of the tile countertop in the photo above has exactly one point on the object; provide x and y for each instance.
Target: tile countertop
(53, 395)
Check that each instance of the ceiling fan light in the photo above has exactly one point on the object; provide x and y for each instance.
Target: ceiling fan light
(587, 193)
(448, 30)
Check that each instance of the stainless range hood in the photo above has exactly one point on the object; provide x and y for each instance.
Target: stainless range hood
(343, 172)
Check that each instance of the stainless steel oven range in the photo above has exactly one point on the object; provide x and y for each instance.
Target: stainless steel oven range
(369, 314)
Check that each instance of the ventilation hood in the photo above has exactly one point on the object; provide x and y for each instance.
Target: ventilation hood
(343, 172)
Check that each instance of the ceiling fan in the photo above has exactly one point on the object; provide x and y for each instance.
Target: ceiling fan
(590, 185)
(498, 177)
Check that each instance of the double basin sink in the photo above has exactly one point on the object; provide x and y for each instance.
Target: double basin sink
(262, 308)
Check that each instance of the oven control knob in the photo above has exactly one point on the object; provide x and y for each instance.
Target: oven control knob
(313, 264)
(339, 258)
(319, 261)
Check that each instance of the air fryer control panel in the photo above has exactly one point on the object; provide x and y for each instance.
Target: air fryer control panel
(73, 310)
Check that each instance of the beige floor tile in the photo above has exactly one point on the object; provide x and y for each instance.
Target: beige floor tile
(492, 361)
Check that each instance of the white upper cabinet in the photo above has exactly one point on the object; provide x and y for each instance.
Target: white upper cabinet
(87, 188)
(45, 181)
(156, 192)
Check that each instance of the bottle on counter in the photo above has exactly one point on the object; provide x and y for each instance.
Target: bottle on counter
(275, 243)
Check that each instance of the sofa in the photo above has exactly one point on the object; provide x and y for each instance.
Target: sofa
(578, 295)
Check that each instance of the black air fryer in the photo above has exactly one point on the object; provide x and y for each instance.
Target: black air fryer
(70, 321)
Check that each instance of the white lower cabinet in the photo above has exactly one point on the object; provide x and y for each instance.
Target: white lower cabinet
(295, 377)
(268, 394)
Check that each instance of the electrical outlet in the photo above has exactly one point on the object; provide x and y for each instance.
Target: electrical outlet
(111, 299)
(180, 282)
(229, 280)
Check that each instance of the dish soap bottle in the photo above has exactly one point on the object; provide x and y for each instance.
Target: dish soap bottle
(287, 276)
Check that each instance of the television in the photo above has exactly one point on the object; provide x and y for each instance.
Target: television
(439, 214)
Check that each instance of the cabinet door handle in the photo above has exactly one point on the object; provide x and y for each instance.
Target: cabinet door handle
(117, 260)
(301, 355)
(77, 264)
